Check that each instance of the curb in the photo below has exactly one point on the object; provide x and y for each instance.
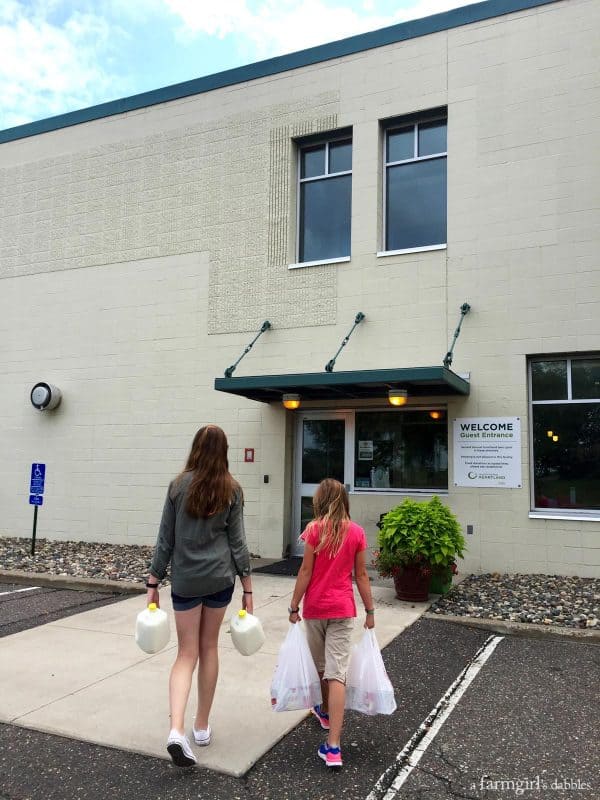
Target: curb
(72, 582)
(82, 583)
(527, 629)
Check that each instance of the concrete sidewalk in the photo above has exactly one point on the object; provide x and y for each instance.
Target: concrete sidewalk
(84, 677)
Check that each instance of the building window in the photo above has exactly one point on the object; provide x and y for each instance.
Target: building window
(415, 185)
(565, 438)
(401, 450)
(324, 200)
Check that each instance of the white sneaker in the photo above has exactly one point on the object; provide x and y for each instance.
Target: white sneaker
(202, 738)
(180, 750)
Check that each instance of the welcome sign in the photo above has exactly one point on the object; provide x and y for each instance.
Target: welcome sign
(487, 452)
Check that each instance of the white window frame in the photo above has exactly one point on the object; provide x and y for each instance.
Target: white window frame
(327, 141)
(390, 128)
(593, 515)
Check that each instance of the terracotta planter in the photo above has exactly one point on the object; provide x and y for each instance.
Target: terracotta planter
(411, 584)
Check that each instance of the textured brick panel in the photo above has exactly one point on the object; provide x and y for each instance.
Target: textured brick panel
(221, 187)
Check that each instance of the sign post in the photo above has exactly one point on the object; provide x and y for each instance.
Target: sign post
(36, 495)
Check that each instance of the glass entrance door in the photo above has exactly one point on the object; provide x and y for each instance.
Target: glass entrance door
(321, 452)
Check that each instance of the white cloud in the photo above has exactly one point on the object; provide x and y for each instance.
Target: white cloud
(62, 55)
(47, 68)
(424, 8)
(274, 27)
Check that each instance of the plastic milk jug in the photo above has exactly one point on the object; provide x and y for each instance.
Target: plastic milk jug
(152, 629)
(247, 633)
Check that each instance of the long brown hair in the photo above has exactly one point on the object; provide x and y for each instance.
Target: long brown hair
(212, 487)
(332, 513)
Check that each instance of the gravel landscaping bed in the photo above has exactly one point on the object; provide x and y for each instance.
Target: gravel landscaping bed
(118, 562)
(543, 599)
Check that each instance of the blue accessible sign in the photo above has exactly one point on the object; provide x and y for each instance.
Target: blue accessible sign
(36, 495)
(38, 476)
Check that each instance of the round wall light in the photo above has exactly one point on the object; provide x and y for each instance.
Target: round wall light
(436, 414)
(291, 401)
(44, 396)
(397, 397)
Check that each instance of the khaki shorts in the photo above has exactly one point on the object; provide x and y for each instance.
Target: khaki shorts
(329, 643)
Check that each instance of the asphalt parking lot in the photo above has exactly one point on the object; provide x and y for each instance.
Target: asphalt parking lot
(24, 606)
(526, 726)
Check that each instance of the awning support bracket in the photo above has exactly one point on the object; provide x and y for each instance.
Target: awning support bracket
(264, 327)
(464, 310)
(331, 364)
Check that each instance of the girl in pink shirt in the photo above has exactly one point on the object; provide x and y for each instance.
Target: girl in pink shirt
(334, 548)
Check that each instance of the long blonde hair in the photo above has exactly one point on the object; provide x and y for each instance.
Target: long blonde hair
(332, 515)
(212, 487)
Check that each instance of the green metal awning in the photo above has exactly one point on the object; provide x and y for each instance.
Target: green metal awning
(355, 385)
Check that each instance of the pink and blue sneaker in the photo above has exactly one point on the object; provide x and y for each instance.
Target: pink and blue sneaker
(332, 756)
(322, 716)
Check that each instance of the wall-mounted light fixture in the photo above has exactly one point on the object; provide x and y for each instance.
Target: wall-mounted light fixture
(397, 397)
(549, 434)
(44, 396)
(291, 401)
(436, 414)
(555, 438)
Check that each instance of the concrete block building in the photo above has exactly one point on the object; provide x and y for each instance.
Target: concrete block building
(426, 195)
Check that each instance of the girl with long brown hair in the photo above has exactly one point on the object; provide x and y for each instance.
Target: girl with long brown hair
(334, 548)
(202, 536)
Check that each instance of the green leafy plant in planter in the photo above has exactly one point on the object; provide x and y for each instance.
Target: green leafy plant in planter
(418, 540)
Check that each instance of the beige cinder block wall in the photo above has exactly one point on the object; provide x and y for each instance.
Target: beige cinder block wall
(141, 253)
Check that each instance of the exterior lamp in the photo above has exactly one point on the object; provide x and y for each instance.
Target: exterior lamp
(44, 396)
(436, 414)
(291, 401)
(555, 438)
(549, 434)
(397, 397)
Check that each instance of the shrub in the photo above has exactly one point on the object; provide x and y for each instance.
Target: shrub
(424, 533)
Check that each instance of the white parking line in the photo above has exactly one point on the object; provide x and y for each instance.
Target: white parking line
(415, 748)
(14, 591)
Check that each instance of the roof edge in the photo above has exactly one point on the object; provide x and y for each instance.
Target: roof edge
(402, 31)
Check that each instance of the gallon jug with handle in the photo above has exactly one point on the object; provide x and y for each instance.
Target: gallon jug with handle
(246, 633)
(152, 629)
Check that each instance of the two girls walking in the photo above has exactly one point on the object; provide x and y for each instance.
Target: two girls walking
(202, 537)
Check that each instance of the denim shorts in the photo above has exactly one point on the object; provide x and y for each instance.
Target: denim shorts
(216, 600)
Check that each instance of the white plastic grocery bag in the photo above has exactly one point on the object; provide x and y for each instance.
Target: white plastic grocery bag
(368, 688)
(295, 683)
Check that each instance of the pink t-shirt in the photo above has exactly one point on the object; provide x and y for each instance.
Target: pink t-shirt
(329, 594)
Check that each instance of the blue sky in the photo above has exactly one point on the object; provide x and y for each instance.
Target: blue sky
(62, 55)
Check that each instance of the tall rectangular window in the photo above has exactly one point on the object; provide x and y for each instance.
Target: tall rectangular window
(565, 432)
(324, 200)
(415, 184)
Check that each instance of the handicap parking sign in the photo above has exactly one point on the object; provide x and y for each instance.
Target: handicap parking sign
(38, 476)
